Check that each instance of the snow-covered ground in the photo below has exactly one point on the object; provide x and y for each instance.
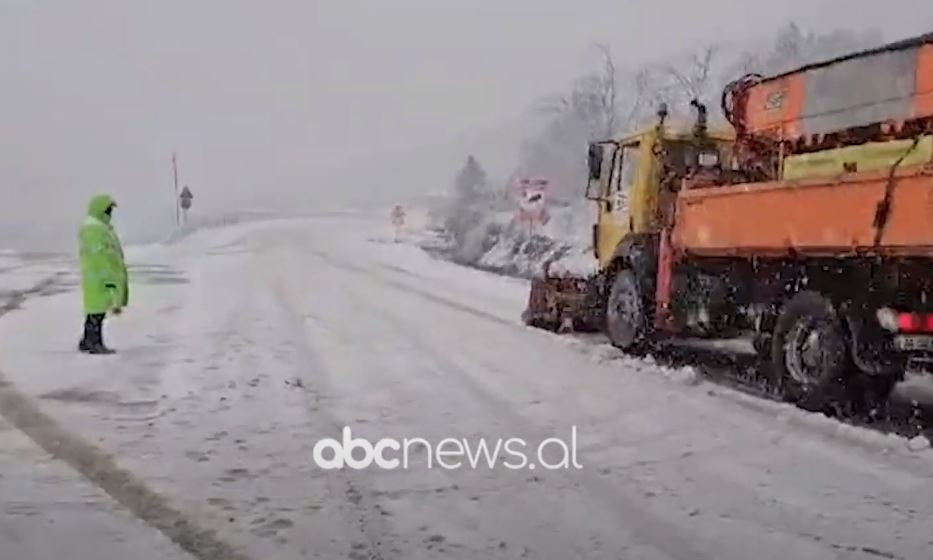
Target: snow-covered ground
(49, 511)
(244, 345)
(22, 271)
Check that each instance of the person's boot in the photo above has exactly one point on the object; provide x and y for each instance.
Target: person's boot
(95, 339)
(100, 349)
(87, 338)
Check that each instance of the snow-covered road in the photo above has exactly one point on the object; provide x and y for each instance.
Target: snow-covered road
(244, 346)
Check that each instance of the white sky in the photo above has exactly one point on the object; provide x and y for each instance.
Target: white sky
(315, 101)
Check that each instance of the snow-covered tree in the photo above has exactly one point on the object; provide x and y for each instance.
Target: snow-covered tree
(471, 203)
(599, 104)
(793, 47)
(471, 183)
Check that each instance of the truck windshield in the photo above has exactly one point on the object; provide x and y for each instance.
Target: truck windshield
(629, 168)
(678, 157)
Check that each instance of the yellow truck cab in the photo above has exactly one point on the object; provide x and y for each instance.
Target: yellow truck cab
(625, 179)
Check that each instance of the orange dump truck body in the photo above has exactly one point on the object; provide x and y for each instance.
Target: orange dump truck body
(893, 83)
(815, 217)
(854, 195)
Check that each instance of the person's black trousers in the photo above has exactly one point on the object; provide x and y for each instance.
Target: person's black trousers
(93, 331)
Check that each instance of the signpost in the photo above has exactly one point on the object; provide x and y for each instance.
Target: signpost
(175, 182)
(184, 202)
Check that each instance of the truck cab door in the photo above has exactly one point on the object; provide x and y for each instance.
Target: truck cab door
(615, 222)
(642, 174)
(602, 172)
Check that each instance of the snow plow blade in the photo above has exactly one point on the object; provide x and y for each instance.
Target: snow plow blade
(565, 303)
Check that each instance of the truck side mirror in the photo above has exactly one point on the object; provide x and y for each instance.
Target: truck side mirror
(595, 161)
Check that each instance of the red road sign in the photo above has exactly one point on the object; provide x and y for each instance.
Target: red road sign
(398, 216)
(532, 201)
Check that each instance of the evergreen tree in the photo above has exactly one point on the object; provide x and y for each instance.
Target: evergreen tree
(471, 182)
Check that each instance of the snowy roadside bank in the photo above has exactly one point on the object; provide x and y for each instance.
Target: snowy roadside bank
(501, 244)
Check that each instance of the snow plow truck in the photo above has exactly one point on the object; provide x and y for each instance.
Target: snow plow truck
(805, 227)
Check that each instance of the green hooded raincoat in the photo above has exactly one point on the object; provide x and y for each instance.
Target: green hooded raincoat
(103, 271)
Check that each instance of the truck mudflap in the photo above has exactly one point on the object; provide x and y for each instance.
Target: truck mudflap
(565, 303)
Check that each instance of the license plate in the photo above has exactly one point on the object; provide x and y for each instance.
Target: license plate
(708, 160)
(912, 343)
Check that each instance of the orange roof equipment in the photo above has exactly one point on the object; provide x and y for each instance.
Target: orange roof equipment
(840, 101)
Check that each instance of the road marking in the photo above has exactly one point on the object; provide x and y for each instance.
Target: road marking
(418, 291)
(101, 469)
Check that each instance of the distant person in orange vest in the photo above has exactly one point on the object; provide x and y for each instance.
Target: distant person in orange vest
(398, 220)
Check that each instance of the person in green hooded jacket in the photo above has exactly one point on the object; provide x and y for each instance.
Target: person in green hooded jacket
(103, 272)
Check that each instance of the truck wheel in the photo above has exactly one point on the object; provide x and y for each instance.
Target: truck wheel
(880, 388)
(808, 350)
(625, 313)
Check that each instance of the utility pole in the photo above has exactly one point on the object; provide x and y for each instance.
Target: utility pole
(175, 199)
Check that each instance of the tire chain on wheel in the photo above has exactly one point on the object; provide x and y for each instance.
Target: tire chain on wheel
(820, 312)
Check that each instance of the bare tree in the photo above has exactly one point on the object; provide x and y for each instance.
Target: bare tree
(747, 63)
(791, 43)
(552, 105)
(592, 101)
(608, 91)
(694, 77)
(638, 93)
